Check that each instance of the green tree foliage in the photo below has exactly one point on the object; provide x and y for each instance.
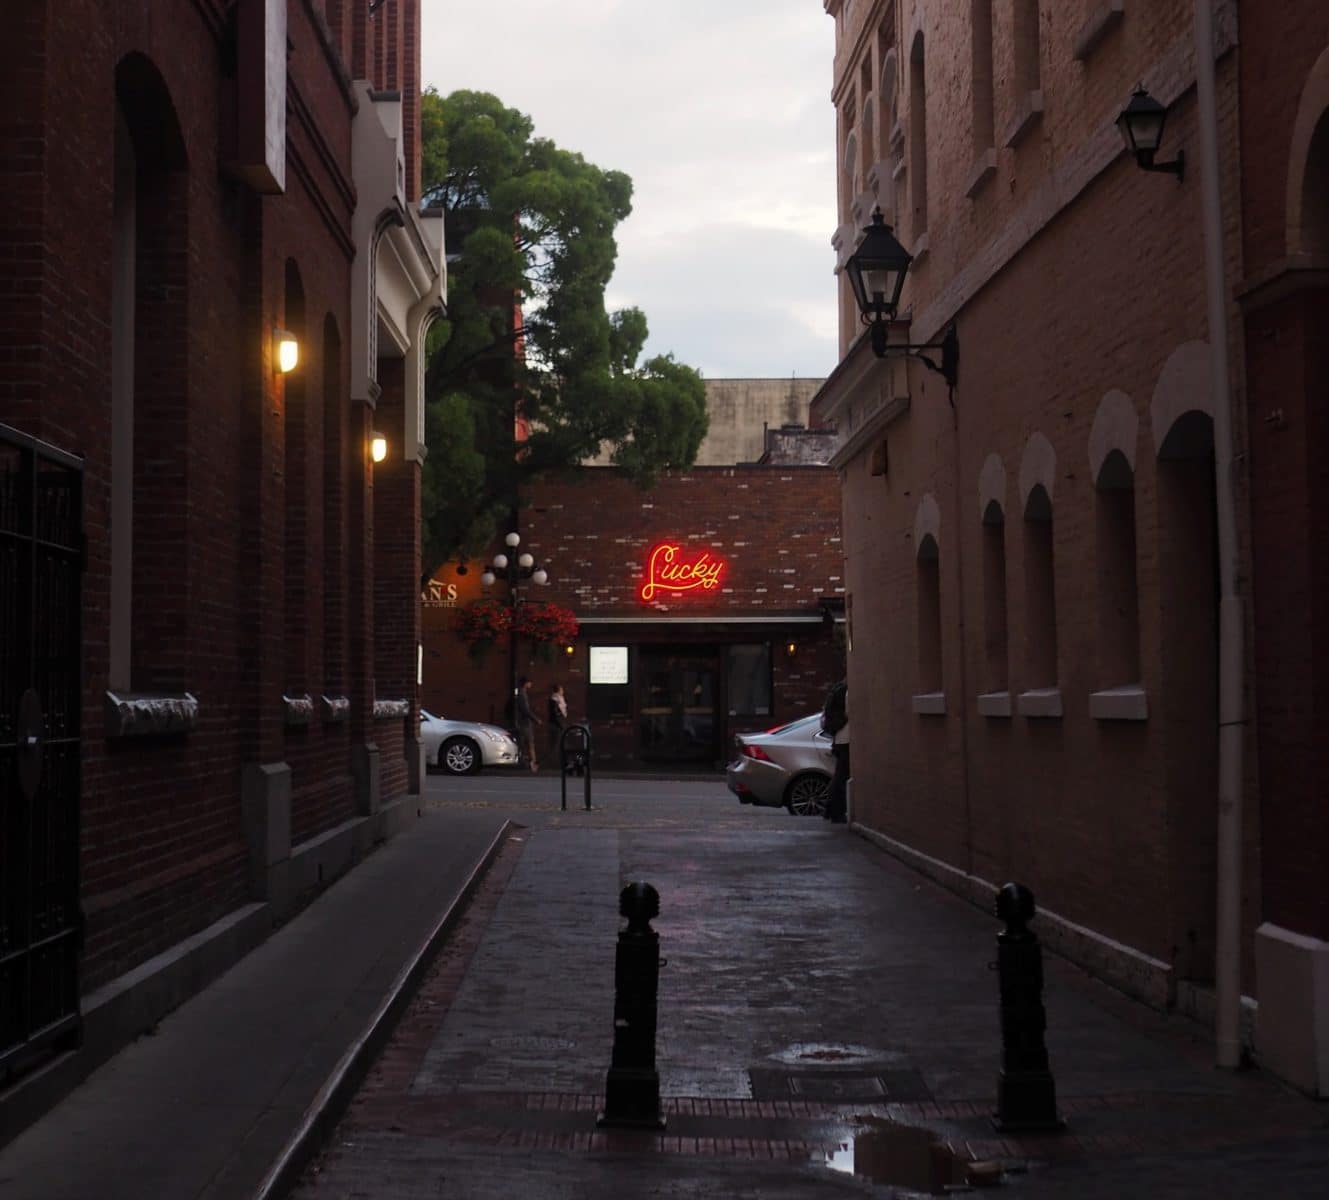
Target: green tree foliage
(530, 237)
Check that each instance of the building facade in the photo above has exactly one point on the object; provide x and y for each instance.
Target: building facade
(710, 605)
(1036, 560)
(1284, 298)
(209, 584)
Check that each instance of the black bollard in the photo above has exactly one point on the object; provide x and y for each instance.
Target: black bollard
(632, 1087)
(1026, 1091)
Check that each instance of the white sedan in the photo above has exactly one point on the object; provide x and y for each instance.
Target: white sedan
(463, 747)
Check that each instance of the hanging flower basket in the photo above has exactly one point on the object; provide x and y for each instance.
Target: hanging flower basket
(481, 624)
(542, 621)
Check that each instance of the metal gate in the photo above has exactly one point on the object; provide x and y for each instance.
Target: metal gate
(41, 561)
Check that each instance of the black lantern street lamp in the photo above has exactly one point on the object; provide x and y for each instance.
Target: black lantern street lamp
(514, 569)
(1141, 126)
(877, 270)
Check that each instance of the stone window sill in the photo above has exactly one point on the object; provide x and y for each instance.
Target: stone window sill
(387, 710)
(920, 247)
(1128, 703)
(930, 704)
(1039, 702)
(335, 708)
(994, 704)
(983, 170)
(1102, 21)
(900, 169)
(141, 714)
(299, 710)
(1028, 113)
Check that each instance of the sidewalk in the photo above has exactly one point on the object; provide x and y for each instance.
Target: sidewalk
(816, 994)
(204, 1107)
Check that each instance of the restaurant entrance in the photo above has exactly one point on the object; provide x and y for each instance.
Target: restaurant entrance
(678, 703)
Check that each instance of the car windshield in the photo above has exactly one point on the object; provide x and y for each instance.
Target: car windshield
(426, 715)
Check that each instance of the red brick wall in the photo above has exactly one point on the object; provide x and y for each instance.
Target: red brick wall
(1086, 812)
(776, 527)
(163, 852)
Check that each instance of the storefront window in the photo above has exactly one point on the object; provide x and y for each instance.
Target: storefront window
(610, 693)
(750, 681)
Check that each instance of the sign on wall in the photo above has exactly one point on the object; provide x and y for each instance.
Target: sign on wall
(672, 569)
(609, 664)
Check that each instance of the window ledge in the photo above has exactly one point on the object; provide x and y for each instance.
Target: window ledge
(983, 170)
(1102, 21)
(336, 708)
(1039, 702)
(1128, 703)
(930, 704)
(1028, 113)
(386, 710)
(899, 170)
(140, 714)
(299, 710)
(994, 704)
(920, 248)
(897, 136)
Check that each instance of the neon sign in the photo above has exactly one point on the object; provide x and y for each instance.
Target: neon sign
(668, 570)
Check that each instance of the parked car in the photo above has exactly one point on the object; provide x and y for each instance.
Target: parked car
(463, 747)
(790, 765)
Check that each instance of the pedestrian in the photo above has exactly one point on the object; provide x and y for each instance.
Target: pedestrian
(835, 721)
(558, 717)
(526, 721)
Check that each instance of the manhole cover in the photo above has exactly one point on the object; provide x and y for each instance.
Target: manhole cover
(532, 1043)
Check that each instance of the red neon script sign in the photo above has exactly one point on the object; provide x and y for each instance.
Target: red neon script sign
(668, 571)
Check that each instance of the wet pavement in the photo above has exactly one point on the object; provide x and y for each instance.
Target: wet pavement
(827, 1026)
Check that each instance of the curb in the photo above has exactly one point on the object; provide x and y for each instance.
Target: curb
(331, 1100)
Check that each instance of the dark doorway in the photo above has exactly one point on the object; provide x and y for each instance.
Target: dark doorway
(40, 691)
(678, 704)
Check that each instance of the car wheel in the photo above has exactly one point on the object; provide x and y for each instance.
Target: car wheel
(459, 756)
(806, 795)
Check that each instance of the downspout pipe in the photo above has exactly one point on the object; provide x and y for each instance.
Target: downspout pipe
(1231, 622)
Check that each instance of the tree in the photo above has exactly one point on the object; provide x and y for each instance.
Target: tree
(529, 373)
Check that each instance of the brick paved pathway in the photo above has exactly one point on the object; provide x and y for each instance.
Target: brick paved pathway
(813, 987)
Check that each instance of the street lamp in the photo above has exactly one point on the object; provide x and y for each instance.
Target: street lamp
(1141, 127)
(877, 270)
(514, 571)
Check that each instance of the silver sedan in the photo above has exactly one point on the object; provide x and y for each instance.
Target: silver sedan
(790, 765)
(463, 747)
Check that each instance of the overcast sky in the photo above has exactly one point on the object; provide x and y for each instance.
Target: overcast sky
(720, 112)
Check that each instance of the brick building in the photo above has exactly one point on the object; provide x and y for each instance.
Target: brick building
(671, 676)
(1032, 562)
(208, 587)
(1284, 296)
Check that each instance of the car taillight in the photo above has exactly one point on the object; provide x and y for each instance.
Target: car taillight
(756, 752)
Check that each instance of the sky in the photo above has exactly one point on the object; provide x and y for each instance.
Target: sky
(720, 112)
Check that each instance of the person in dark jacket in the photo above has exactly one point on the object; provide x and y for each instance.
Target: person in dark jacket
(835, 721)
(526, 721)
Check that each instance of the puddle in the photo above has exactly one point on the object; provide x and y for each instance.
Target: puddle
(901, 1155)
(830, 1052)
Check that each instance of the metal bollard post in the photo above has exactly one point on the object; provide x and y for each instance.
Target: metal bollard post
(575, 757)
(632, 1087)
(1026, 1091)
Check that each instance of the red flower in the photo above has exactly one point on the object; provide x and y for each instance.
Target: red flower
(484, 621)
(545, 622)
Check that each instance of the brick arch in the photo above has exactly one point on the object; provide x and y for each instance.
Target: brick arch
(1037, 466)
(1116, 427)
(145, 99)
(927, 522)
(991, 485)
(1308, 166)
(1184, 385)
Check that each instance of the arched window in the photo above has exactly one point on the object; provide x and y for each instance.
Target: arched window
(995, 655)
(334, 513)
(1028, 52)
(296, 445)
(1040, 592)
(1118, 602)
(849, 176)
(929, 617)
(918, 139)
(980, 75)
(149, 617)
(886, 107)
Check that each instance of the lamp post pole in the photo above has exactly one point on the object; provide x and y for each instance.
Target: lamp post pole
(514, 568)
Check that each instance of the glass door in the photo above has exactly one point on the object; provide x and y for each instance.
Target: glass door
(679, 704)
